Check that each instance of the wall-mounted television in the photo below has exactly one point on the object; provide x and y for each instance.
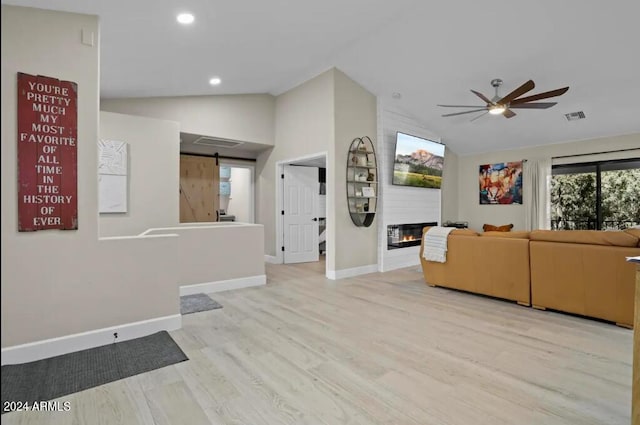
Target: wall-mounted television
(417, 162)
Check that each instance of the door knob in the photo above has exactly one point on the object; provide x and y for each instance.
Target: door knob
(314, 219)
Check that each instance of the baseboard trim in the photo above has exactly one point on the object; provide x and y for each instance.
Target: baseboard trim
(272, 259)
(354, 271)
(223, 285)
(81, 341)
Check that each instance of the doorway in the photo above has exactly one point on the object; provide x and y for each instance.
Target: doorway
(308, 234)
(237, 192)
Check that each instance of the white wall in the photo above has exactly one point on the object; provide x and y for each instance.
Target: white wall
(449, 195)
(304, 125)
(154, 173)
(323, 115)
(477, 215)
(243, 117)
(216, 252)
(403, 204)
(241, 200)
(299, 123)
(56, 283)
(350, 249)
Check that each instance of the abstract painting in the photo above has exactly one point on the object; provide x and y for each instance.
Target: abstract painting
(501, 183)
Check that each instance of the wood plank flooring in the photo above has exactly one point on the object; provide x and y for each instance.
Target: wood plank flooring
(377, 349)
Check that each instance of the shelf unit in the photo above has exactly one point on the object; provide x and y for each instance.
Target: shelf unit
(362, 181)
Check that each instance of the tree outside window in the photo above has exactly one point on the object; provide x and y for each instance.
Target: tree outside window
(596, 196)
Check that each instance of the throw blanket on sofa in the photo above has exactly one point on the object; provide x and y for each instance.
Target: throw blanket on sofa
(435, 244)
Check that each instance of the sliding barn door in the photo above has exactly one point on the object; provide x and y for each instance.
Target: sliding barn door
(199, 189)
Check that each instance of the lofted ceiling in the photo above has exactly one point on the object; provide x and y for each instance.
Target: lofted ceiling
(429, 52)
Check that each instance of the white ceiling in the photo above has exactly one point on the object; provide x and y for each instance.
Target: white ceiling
(430, 52)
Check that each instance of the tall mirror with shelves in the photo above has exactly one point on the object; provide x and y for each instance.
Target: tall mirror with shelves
(362, 181)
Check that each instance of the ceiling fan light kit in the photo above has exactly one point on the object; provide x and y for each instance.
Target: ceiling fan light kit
(503, 105)
(497, 110)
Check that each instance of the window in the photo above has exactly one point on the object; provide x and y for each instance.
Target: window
(596, 196)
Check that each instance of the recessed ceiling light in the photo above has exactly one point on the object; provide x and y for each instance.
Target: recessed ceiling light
(185, 18)
(215, 81)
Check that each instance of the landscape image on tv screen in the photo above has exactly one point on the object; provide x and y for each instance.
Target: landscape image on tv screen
(418, 162)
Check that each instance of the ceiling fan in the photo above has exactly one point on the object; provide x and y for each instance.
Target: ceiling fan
(503, 105)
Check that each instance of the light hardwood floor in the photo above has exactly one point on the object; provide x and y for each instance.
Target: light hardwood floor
(377, 349)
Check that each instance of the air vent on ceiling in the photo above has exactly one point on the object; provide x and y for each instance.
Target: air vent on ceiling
(575, 116)
(218, 143)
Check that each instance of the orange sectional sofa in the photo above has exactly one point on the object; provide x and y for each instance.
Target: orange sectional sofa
(584, 272)
(495, 264)
(574, 271)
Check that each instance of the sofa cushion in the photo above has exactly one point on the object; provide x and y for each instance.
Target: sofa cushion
(634, 232)
(492, 228)
(519, 234)
(591, 237)
(458, 232)
(464, 232)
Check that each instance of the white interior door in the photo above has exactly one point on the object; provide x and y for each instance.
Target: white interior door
(300, 222)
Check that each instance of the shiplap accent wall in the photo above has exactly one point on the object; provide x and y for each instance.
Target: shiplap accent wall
(400, 204)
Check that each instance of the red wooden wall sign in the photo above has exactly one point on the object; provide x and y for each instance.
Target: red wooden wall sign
(47, 153)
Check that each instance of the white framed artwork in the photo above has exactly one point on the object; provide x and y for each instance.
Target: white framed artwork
(112, 176)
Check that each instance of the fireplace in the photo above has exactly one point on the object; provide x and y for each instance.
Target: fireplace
(405, 235)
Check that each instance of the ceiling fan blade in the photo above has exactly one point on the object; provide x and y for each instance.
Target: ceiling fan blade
(539, 96)
(465, 112)
(528, 86)
(508, 113)
(539, 105)
(461, 106)
(479, 116)
(481, 96)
